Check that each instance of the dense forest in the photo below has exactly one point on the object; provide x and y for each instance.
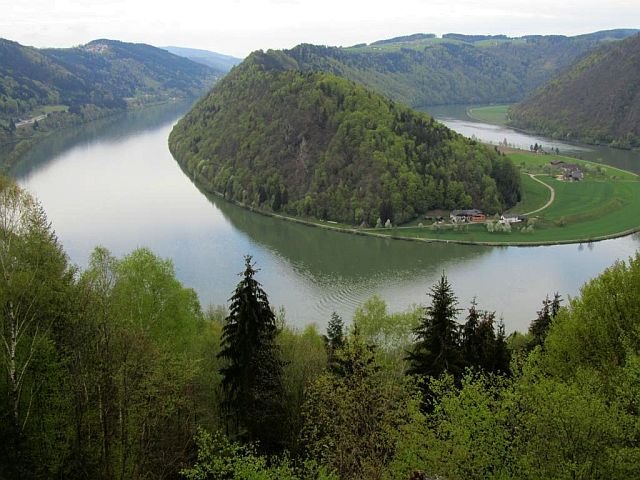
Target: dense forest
(115, 372)
(317, 145)
(104, 73)
(62, 87)
(421, 70)
(597, 100)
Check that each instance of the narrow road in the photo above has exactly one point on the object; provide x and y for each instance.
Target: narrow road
(31, 120)
(551, 199)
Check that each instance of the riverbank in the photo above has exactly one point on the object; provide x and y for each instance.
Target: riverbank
(602, 206)
(499, 115)
(16, 145)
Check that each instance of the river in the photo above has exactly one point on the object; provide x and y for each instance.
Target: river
(114, 183)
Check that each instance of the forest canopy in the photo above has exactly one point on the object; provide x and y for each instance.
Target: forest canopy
(317, 145)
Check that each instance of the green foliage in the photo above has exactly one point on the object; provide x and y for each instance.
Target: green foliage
(453, 70)
(327, 148)
(305, 358)
(220, 459)
(436, 350)
(540, 326)
(35, 285)
(467, 435)
(600, 329)
(593, 101)
(63, 87)
(481, 347)
(387, 331)
(134, 364)
(103, 73)
(352, 417)
(252, 376)
(117, 371)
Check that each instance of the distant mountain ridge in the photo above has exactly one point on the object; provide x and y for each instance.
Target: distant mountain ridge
(422, 70)
(103, 73)
(316, 145)
(596, 101)
(217, 61)
(42, 90)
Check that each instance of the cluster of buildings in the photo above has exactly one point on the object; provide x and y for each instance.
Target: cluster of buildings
(568, 171)
(477, 216)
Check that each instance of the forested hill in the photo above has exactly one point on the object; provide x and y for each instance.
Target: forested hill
(101, 74)
(423, 70)
(314, 144)
(597, 100)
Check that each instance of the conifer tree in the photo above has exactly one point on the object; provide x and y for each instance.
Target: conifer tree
(334, 339)
(540, 326)
(482, 348)
(437, 348)
(252, 378)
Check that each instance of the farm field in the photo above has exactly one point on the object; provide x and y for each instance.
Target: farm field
(495, 114)
(604, 204)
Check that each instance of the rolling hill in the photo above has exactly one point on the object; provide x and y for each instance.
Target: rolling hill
(103, 73)
(316, 145)
(42, 90)
(422, 69)
(597, 100)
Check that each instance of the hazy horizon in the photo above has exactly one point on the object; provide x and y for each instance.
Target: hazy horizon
(241, 26)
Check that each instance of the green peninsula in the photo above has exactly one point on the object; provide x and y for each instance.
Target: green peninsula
(318, 146)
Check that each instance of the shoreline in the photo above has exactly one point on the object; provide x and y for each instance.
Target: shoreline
(368, 232)
(22, 146)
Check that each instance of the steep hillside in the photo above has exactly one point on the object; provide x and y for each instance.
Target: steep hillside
(314, 144)
(103, 73)
(217, 61)
(597, 100)
(42, 90)
(423, 70)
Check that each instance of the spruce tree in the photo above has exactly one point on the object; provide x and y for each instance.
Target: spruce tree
(252, 378)
(540, 326)
(471, 344)
(334, 339)
(437, 349)
(482, 347)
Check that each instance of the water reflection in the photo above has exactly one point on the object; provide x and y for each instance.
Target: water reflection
(117, 185)
(111, 129)
(456, 117)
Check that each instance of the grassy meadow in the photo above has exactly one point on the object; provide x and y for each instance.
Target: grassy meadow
(604, 204)
(494, 114)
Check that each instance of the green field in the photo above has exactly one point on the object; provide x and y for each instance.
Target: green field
(605, 203)
(534, 196)
(495, 114)
(535, 163)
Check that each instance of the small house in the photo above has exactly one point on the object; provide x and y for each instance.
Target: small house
(466, 216)
(570, 171)
(510, 218)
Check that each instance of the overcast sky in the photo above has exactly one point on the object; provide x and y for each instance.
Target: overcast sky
(237, 27)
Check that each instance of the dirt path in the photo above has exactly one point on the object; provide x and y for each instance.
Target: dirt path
(551, 199)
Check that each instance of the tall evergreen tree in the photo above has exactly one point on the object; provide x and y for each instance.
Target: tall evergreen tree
(482, 347)
(335, 332)
(437, 349)
(502, 354)
(252, 378)
(540, 326)
(471, 344)
(334, 339)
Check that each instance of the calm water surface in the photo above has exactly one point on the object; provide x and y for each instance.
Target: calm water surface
(115, 184)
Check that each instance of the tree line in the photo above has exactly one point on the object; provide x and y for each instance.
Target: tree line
(117, 372)
(316, 145)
